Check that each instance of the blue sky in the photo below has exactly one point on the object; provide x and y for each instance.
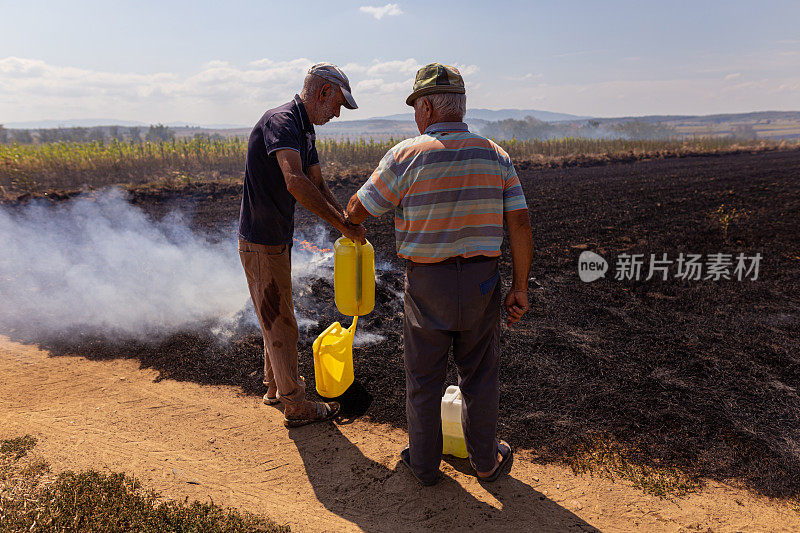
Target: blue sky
(214, 62)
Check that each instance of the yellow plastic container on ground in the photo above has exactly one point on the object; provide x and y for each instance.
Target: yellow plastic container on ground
(333, 359)
(354, 277)
(452, 431)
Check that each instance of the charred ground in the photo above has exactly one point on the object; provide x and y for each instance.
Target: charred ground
(698, 375)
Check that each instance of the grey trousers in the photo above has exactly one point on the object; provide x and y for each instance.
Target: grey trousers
(456, 305)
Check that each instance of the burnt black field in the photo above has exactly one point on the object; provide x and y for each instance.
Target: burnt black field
(698, 375)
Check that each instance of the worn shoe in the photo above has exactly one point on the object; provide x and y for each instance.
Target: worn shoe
(271, 400)
(323, 411)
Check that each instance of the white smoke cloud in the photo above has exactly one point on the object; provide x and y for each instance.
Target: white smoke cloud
(101, 265)
(365, 338)
(391, 10)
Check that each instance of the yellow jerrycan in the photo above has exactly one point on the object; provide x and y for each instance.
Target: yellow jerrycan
(354, 288)
(354, 277)
(452, 432)
(333, 359)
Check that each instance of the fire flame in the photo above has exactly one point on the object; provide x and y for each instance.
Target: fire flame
(311, 246)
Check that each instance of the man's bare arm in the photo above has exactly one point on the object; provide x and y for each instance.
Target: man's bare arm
(310, 197)
(520, 238)
(315, 175)
(356, 213)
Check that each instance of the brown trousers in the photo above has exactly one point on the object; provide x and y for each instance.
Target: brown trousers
(269, 278)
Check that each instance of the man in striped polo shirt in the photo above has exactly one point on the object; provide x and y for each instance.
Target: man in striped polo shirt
(451, 191)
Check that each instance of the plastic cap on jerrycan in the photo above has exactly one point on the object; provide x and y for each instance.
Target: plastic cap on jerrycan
(354, 277)
(452, 431)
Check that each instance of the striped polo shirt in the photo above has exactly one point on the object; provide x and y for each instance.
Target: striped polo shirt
(449, 189)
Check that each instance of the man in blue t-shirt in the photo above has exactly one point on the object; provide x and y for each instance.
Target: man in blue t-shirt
(283, 167)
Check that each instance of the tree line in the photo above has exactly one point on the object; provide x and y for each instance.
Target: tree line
(155, 133)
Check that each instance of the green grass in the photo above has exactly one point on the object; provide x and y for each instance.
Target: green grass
(94, 501)
(611, 461)
(725, 216)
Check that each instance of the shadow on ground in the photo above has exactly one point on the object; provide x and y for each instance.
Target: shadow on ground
(378, 498)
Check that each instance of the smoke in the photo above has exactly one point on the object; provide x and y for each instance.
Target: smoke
(101, 265)
(365, 338)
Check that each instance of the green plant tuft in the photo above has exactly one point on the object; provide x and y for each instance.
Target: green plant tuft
(95, 501)
(18, 447)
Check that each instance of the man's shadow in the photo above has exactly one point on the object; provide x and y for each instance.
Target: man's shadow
(376, 497)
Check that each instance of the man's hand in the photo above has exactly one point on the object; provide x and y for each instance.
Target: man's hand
(354, 232)
(516, 305)
(354, 215)
(355, 212)
(521, 241)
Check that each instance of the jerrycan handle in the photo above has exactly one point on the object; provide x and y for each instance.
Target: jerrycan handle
(359, 275)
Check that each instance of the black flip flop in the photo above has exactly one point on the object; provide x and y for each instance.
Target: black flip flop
(505, 465)
(405, 455)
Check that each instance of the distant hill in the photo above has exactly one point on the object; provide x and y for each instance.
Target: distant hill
(371, 128)
(498, 114)
(755, 117)
(759, 124)
(402, 125)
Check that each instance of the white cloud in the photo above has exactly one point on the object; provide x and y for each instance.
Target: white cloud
(380, 86)
(466, 70)
(390, 10)
(527, 77)
(225, 92)
(377, 67)
(217, 92)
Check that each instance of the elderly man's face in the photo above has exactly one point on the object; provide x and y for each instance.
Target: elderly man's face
(329, 104)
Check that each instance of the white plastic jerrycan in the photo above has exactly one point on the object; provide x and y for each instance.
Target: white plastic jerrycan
(452, 432)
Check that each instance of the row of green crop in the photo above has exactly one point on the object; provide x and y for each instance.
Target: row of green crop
(97, 163)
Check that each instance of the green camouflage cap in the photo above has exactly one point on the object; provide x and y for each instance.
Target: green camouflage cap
(436, 78)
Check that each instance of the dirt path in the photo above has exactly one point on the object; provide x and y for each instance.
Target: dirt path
(184, 439)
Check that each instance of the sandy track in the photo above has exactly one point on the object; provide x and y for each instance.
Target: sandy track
(203, 442)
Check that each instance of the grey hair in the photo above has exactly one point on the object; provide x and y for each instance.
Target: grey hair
(449, 105)
(311, 85)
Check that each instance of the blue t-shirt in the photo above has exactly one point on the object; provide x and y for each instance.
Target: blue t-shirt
(267, 212)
